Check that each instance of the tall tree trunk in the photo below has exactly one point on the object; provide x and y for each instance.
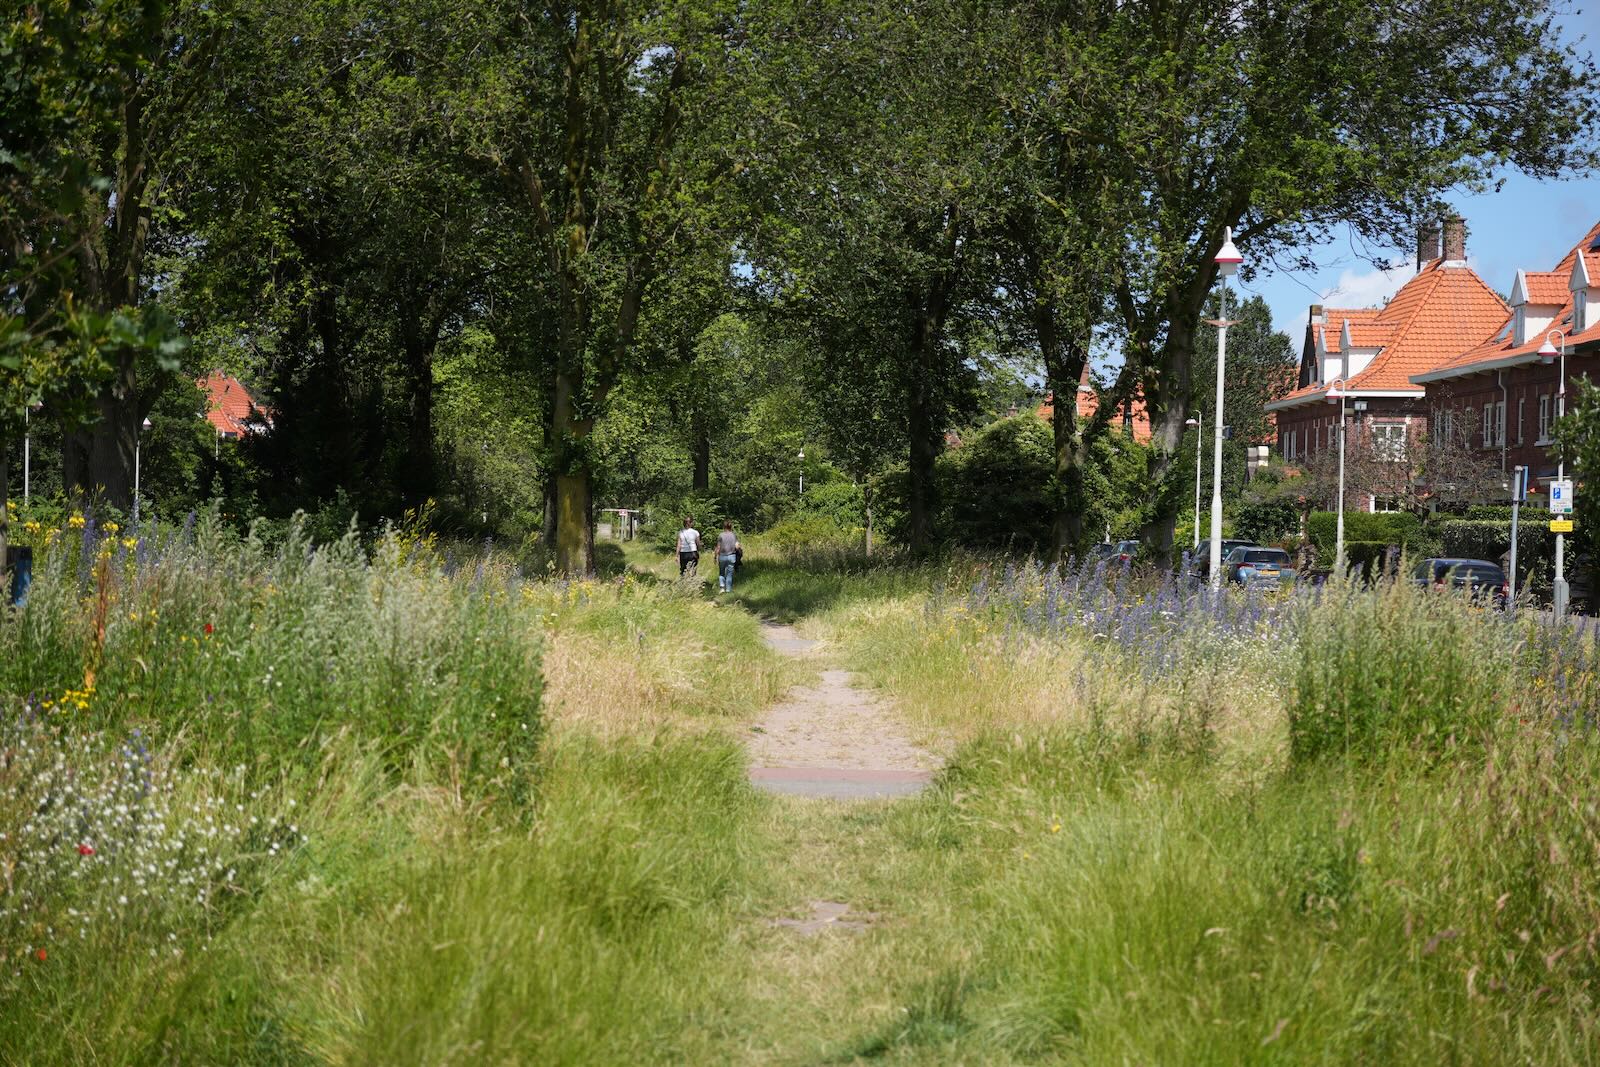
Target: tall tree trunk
(702, 454)
(1167, 401)
(417, 480)
(1064, 358)
(866, 498)
(920, 469)
(97, 461)
(5, 520)
(574, 487)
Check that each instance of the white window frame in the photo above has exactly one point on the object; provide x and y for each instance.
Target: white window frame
(1387, 443)
(1500, 423)
(1544, 419)
(1522, 404)
(1488, 426)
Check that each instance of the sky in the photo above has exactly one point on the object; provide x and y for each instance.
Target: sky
(1525, 225)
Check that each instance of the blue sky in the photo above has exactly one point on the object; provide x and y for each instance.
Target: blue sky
(1525, 225)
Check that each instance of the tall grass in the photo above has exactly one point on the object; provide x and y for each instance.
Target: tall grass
(1377, 847)
(300, 803)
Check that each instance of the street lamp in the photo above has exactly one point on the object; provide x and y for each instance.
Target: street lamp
(1548, 354)
(1227, 260)
(1336, 393)
(1199, 417)
(136, 440)
(802, 458)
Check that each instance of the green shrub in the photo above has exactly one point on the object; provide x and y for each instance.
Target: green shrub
(1266, 519)
(1490, 538)
(1391, 528)
(996, 486)
(841, 501)
(1395, 669)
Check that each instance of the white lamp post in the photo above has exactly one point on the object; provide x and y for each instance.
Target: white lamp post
(1227, 260)
(136, 441)
(27, 449)
(1196, 422)
(1548, 354)
(1336, 392)
(802, 458)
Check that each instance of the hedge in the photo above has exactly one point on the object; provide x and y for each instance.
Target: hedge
(1363, 558)
(1388, 528)
(1488, 538)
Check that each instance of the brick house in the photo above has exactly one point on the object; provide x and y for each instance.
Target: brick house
(230, 408)
(1135, 420)
(1442, 311)
(1497, 397)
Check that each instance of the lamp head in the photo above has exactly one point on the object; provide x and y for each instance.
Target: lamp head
(1228, 258)
(1547, 351)
(1335, 391)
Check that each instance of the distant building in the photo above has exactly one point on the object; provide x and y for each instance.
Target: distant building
(1443, 311)
(1497, 397)
(1135, 420)
(231, 409)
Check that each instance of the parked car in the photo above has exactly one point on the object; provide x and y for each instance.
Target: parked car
(1115, 551)
(1200, 561)
(1481, 578)
(1258, 567)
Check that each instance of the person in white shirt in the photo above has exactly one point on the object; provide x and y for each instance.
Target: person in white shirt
(688, 548)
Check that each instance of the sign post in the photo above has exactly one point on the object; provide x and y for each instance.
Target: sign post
(1560, 509)
(1519, 496)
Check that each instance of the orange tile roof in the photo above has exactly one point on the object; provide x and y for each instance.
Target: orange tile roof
(1435, 315)
(1547, 287)
(1499, 348)
(230, 408)
(1089, 403)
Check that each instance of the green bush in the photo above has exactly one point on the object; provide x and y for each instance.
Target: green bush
(806, 532)
(1266, 519)
(1490, 538)
(1401, 668)
(1391, 528)
(996, 486)
(841, 501)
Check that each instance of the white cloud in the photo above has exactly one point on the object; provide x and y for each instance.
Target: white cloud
(1367, 287)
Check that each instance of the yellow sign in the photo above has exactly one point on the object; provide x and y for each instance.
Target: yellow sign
(1560, 525)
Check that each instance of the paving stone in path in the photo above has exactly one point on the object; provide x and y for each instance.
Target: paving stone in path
(833, 739)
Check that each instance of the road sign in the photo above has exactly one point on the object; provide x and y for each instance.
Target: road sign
(1560, 525)
(1519, 485)
(1561, 497)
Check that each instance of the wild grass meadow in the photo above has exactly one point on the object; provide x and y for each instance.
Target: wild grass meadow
(389, 801)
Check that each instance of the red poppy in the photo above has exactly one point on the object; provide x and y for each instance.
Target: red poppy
(41, 954)
(85, 850)
(210, 628)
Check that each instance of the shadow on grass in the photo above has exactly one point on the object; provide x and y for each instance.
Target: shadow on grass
(786, 593)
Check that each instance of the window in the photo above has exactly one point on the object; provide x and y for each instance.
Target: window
(1500, 423)
(1488, 426)
(1446, 423)
(1544, 419)
(1389, 440)
(1522, 403)
(1387, 503)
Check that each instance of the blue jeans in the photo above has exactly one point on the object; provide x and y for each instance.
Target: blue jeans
(725, 571)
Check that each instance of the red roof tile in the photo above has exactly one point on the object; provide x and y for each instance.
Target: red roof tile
(230, 408)
(1500, 346)
(1547, 287)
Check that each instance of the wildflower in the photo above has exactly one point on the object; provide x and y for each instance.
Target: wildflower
(112, 527)
(85, 849)
(210, 629)
(43, 955)
(76, 522)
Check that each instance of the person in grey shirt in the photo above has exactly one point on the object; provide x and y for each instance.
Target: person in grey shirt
(727, 556)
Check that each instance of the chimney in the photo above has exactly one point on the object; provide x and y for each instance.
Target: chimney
(1455, 241)
(1316, 314)
(1427, 243)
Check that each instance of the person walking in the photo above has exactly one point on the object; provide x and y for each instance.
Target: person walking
(688, 548)
(728, 552)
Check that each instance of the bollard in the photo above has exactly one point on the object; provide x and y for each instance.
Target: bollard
(19, 564)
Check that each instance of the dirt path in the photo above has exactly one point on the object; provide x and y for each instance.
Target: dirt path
(832, 739)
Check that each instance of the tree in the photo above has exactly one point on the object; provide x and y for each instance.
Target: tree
(604, 120)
